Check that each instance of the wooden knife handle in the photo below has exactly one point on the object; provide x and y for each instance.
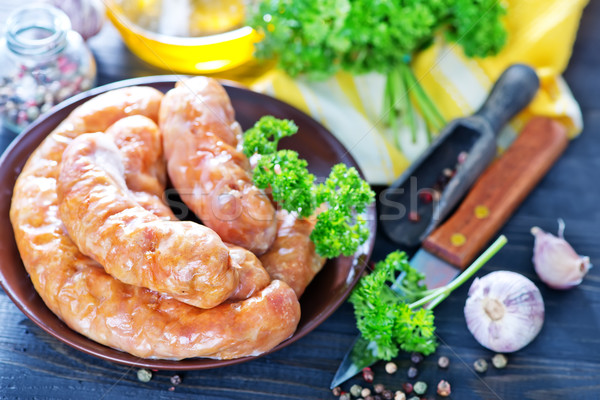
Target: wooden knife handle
(498, 192)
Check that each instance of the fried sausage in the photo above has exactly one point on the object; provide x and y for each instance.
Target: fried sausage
(180, 258)
(292, 257)
(140, 146)
(204, 165)
(133, 319)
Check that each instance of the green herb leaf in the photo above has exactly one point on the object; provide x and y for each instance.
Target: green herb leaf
(289, 182)
(340, 228)
(264, 136)
(385, 317)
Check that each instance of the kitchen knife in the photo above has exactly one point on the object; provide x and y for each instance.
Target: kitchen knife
(493, 198)
(474, 136)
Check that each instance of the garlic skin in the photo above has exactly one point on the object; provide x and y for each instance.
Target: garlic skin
(504, 311)
(87, 16)
(555, 261)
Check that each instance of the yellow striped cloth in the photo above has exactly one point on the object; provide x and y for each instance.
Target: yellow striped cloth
(541, 34)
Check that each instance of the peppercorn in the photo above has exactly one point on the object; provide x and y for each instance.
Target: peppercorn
(355, 390)
(408, 387)
(426, 197)
(414, 216)
(420, 388)
(443, 362)
(399, 395)
(480, 365)
(366, 392)
(369, 397)
(379, 388)
(391, 368)
(336, 391)
(499, 361)
(416, 358)
(412, 372)
(345, 396)
(387, 394)
(175, 380)
(144, 375)
(443, 388)
(172, 389)
(368, 374)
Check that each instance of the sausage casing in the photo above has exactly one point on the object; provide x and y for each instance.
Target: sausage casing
(212, 177)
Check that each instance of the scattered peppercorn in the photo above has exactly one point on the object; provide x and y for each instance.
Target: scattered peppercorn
(366, 392)
(387, 395)
(399, 395)
(377, 397)
(355, 390)
(420, 388)
(499, 361)
(172, 389)
(480, 365)
(443, 388)
(416, 358)
(391, 368)
(443, 362)
(412, 372)
(175, 380)
(369, 397)
(144, 375)
(462, 157)
(414, 216)
(425, 196)
(407, 387)
(336, 391)
(345, 396)
(368, 374)
(379, 388)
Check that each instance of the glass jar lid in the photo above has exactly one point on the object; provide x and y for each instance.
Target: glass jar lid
(37, 29)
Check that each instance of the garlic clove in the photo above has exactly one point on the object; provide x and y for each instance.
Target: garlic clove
(504, 311)
(555, 261)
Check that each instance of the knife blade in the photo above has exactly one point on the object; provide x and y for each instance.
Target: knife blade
(494, 197)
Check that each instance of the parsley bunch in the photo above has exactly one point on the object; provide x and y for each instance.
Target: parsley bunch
(396, 312)
(320, 37)
(385, 316)
(340, 227)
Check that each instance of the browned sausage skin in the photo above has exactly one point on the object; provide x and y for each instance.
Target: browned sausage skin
(180, 258)
(292, 257)
(212, 177)
(133, 319)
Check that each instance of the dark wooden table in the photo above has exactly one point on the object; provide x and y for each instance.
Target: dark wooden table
(562, 363)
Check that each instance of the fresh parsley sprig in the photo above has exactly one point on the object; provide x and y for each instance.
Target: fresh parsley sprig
(397, 314)
(340, 227)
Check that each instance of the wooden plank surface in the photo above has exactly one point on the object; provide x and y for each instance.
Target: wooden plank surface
(562, 363)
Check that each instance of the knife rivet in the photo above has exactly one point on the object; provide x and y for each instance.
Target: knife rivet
(481, 212)
(458, 239)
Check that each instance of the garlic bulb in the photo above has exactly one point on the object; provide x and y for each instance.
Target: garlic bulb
(555, 261)
(504, 311)
(87, 16)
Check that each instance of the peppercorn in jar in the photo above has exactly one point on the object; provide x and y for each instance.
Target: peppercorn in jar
(43, 63)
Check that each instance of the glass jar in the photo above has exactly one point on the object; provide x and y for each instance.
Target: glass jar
(43, 62)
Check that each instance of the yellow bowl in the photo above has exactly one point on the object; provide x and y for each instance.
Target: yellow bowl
(189, 55)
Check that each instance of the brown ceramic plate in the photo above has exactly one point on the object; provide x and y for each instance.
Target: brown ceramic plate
(313, 142)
